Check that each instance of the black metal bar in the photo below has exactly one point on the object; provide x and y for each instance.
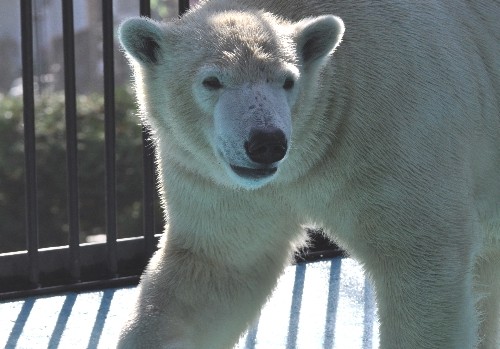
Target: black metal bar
(145, 8)
(83, 286)
(183, 6)
(53, 272)
(29, 140)
(71, 138)
(109, 130)
(148, 188)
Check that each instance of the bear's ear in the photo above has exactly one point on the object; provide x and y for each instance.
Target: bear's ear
(143, 39)
(317, 37)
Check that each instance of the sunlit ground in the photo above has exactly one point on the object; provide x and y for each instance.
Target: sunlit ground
(321, 305)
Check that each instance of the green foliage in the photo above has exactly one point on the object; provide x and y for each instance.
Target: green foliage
(52, 173)
(163, 8)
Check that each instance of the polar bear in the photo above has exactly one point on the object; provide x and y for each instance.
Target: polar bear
(264, 121)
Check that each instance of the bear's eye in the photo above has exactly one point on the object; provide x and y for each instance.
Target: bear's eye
(288, 84)
(212, 83)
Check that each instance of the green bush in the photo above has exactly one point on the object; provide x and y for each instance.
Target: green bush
(52, 173)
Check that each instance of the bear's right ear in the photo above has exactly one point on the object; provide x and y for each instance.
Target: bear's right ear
(143, 39)
(317, 37)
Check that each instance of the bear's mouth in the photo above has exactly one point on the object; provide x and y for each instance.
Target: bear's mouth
(254, 173)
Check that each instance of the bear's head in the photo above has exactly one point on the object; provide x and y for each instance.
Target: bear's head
(219, 88)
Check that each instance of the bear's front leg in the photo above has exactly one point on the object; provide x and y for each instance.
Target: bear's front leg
(425, 297)
(200, 299)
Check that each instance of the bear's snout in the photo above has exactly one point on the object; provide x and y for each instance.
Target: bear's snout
(266, 145)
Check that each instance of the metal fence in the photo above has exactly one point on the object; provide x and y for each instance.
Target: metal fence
(90, 265)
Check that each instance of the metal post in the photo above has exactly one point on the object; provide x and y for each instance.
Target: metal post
(71, 138)
(29, 140)
(183, 6)
(149, 175)
(109, 130)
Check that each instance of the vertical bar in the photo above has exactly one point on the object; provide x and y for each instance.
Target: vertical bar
(29, 140)
(183, 6)
(149, 176)
(109, 130)
(71, 138)
(145, 8)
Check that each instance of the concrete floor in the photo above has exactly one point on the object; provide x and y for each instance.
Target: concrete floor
(321, 305)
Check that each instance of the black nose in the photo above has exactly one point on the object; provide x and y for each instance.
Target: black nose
(266, 146)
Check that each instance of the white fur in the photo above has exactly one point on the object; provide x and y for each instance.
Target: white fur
(393, 146)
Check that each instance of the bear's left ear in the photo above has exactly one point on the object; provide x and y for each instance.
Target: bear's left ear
(143, 39)
(317, 37)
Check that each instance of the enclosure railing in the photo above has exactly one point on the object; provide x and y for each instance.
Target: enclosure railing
(90, 265)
